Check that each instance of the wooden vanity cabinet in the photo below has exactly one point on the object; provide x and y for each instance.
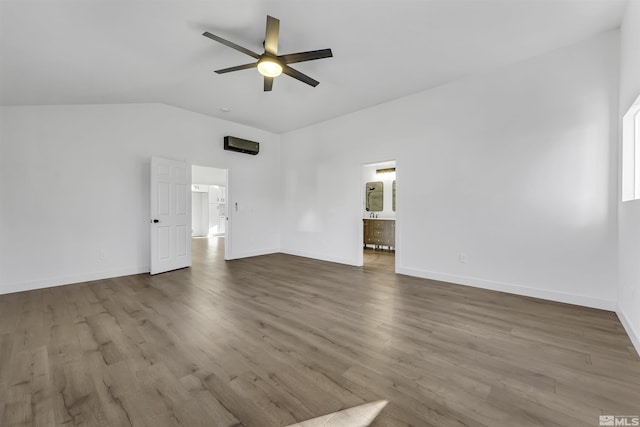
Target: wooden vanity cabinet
(379, 232)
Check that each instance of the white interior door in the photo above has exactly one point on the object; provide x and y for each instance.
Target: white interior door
(170, 215)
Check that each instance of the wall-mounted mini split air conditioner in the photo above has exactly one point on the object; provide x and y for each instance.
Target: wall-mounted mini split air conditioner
(240, 145)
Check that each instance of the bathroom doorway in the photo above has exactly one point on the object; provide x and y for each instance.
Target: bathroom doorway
(379, 219)
(209, 195)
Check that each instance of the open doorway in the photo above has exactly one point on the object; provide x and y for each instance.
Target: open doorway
(378, 184)
(209, 211)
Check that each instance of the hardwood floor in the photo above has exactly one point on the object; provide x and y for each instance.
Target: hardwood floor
(381, 260)
(277, 339)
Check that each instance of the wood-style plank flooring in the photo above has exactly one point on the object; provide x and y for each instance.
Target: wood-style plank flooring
(277, 339)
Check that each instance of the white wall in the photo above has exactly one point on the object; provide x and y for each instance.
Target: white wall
(515, 168)
(629, 212)
(208, 176)
(199, 213)
(74, 185)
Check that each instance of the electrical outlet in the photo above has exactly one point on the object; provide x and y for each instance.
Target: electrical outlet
(463, 258)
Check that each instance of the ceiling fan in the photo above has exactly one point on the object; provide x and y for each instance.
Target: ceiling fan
(270, 64)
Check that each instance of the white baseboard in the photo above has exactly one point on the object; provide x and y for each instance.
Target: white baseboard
(253, 253)
(512, 289)
(633, 334)
(68, 280)
(312, 255)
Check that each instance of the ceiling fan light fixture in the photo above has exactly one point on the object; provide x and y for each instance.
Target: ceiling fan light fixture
(269, 67)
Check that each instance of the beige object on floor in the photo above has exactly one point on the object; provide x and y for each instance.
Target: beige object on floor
(358, 416)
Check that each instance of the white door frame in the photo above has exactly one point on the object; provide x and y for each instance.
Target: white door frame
(360, 253)
(227, 228)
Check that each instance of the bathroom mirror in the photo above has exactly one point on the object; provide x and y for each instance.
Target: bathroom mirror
(374, 192)
(393, 191)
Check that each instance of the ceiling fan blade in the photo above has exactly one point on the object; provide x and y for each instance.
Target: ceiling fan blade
(271, 35)
(299, 76)
(231, 44)
(237, 68)
(305, 56)
(268, 83)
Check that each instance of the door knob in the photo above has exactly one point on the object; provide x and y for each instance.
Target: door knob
(155, 221)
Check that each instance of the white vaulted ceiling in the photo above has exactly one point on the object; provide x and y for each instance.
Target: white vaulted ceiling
(140, 51)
